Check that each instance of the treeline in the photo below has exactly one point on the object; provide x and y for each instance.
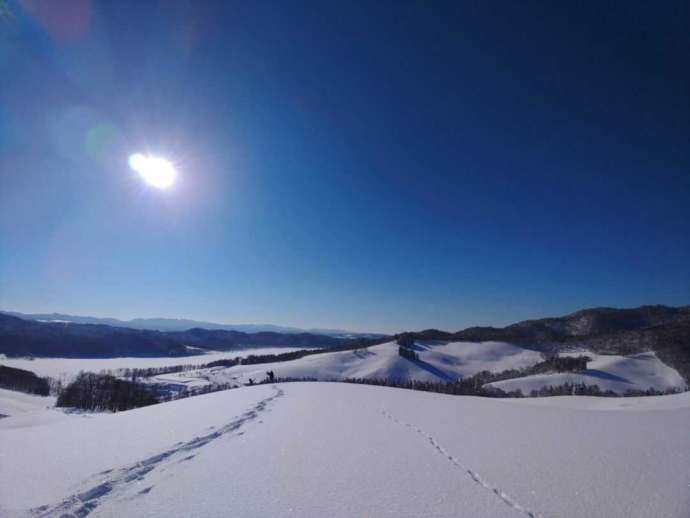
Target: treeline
(553, 362)
(195, 391)
(148, 372)
(23, 381)
(580, 389)
(100, 392)
(408, 353)
(472, 386)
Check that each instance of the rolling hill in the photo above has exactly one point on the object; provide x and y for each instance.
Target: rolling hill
(447, 362)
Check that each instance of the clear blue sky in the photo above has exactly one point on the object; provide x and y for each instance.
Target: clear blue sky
(362, 165)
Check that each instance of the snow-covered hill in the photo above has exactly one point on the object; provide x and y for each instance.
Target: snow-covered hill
(610, 372)
(448, 361)
(328, 449)
(438, 361)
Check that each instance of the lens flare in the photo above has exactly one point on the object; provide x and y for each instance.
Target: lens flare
(156, 171)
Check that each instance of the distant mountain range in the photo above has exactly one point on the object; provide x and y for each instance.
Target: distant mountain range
(55, 338)
(572, 328)
(181, 324)
(663, 329)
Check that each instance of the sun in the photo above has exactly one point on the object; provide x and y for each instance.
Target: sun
(156, 171)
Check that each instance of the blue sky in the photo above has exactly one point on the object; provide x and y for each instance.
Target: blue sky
(362, 165)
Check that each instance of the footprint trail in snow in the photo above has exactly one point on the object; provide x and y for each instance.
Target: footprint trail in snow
(115, 483)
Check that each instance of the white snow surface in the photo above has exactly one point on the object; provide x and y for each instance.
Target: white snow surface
(340, 450)
(16, 403)
(610, 372)
(67, 368)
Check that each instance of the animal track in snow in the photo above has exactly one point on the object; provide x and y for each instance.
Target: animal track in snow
(471, 473)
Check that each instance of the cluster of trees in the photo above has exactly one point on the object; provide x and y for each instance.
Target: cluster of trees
(148, 372)
(406, 347)
(195, 391)
(405, 340)
(23, 381)
(572, 389)
(408, 353)
(580, 389)
(553, 362)
(100, 392)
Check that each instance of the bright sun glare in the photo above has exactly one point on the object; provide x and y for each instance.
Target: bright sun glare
(157, 171)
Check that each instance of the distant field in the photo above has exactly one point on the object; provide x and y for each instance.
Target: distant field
(66, 368)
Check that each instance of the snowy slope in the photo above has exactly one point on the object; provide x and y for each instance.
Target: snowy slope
(609, 372)
(338, 450)
(438, 361)
(16, 403)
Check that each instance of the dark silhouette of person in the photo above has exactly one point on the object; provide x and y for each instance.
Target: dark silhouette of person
(271, 376)
(251, 381)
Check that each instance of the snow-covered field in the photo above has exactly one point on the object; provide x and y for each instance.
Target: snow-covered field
(616, 373)
(67, 368)
(339, 450)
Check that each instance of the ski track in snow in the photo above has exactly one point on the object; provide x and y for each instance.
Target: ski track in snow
(472, 474)
(115, 483)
